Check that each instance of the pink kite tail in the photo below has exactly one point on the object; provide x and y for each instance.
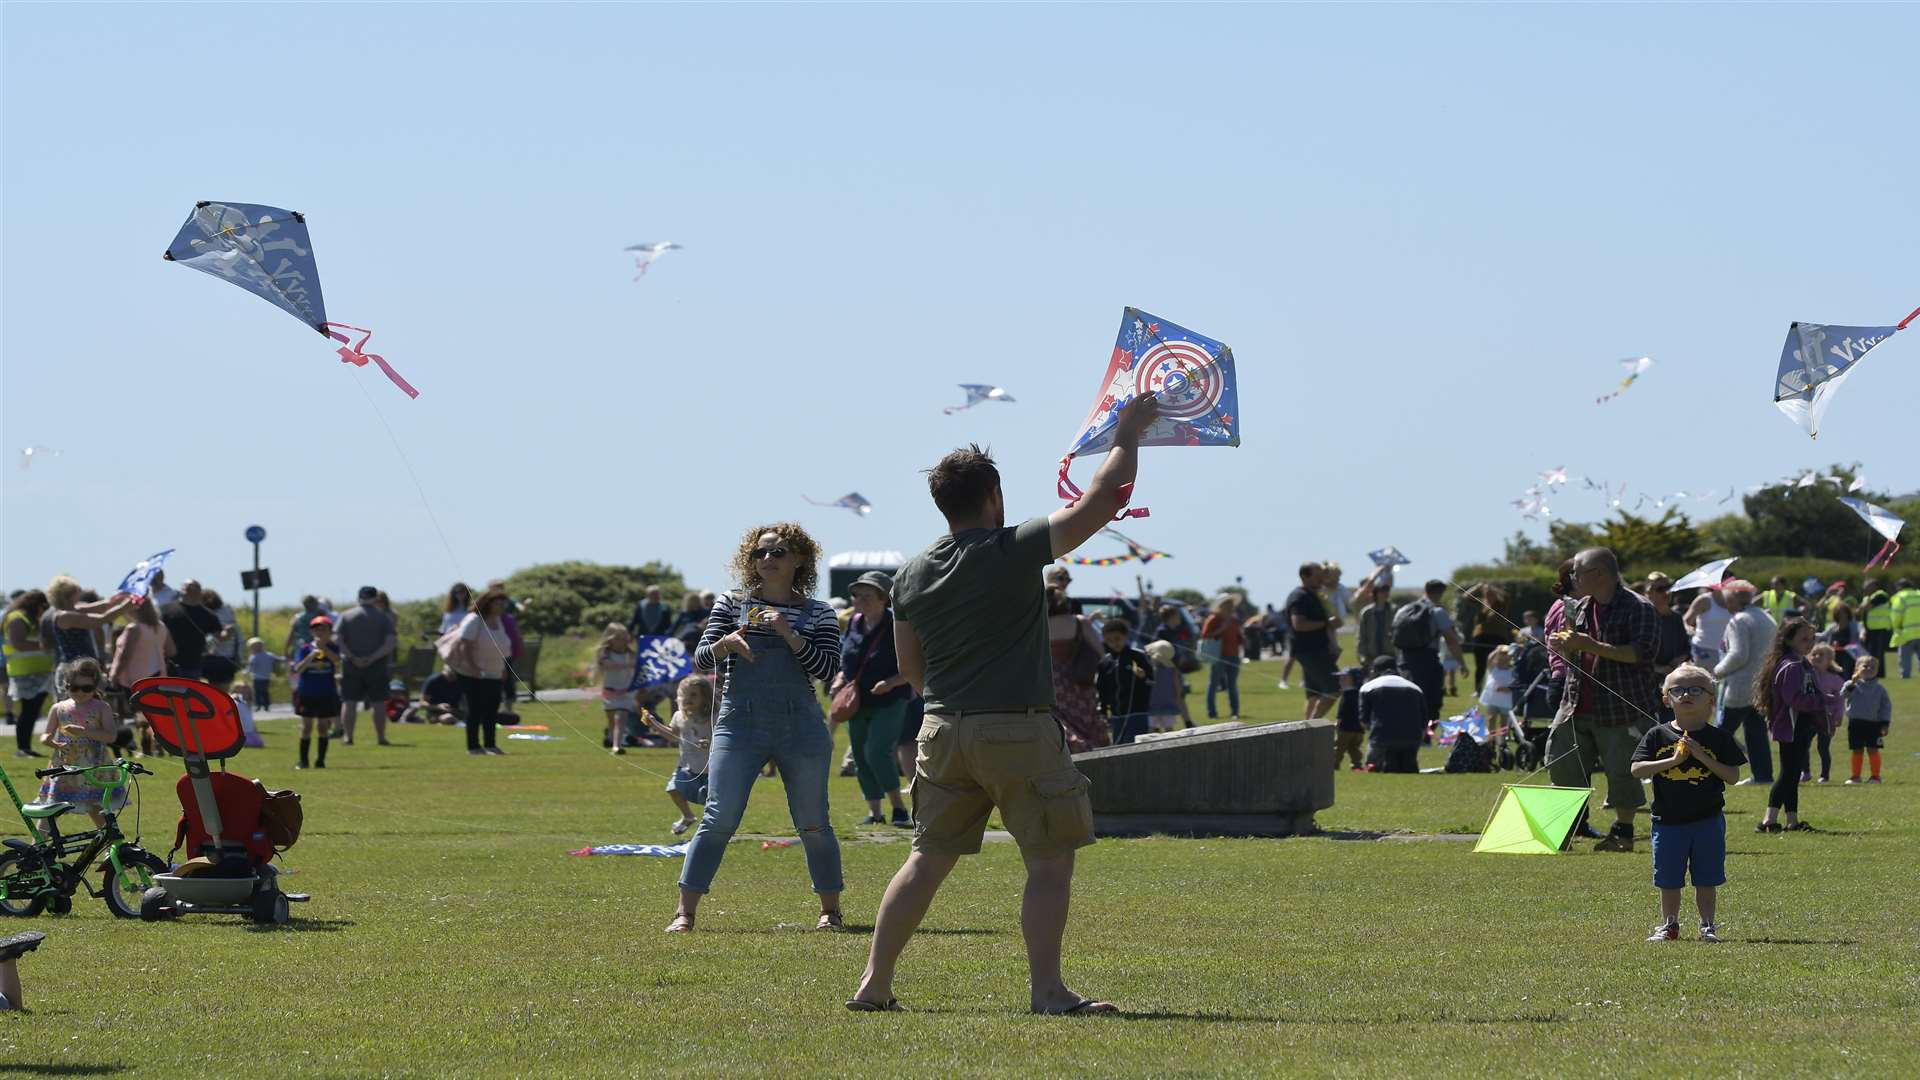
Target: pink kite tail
(353, 353)
(1071, 492)
(1885, 558)
(1911, 315)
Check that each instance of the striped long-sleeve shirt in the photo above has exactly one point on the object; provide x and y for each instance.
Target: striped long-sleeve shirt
(813, 620)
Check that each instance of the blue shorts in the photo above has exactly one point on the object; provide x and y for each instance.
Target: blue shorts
(1701, 845)
(691, 788)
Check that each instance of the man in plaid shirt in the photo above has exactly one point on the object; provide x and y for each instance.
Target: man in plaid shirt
(1609, 644)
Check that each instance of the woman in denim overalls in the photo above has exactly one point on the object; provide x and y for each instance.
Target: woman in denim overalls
(770, 643)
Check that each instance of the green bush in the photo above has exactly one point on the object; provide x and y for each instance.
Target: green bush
(555, 598)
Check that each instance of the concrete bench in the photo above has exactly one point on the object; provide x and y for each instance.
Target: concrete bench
(1266, 780)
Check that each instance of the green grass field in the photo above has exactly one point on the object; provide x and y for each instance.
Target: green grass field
(451, 934)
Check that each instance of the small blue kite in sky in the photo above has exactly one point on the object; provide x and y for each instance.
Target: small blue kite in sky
(852, 500)
(977, 393)
(1190, 373)
(1816, 359)
(265, 250)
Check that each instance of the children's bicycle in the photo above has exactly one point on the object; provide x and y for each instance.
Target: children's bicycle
(33, 877)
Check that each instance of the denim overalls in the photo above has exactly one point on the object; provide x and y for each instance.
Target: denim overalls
(767, 711)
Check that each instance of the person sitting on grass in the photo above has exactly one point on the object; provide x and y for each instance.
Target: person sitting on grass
(1869, 715)
(1394, 712)
(1124, 682)
(1690, 762)
(12, 948)
(692, 729)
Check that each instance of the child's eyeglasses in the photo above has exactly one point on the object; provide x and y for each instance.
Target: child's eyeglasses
(1684, 693)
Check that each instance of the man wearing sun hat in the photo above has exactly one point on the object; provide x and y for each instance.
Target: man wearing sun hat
(1748, 636)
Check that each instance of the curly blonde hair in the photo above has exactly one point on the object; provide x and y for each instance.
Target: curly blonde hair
(795, 539)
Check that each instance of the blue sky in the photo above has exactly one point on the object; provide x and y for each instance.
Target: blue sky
(1447, 223)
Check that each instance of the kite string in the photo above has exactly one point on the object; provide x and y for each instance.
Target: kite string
(453, 560)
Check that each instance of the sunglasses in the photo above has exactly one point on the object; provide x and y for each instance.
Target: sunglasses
(769, 553)
(1685, 693)
(81, 687)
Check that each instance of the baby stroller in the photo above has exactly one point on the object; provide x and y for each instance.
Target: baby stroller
(230, 825)
(1533, 706)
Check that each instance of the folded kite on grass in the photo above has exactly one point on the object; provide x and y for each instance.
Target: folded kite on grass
(1532, 820)
(663, 851)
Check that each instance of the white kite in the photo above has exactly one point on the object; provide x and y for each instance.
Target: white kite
(28, 454)
(1705, 577)
(1882, 521)
(977, 393)
(852, 500)
(644, 254)
(1554, 477)
(1816, 359)
(1859, 482)
(1636, 367)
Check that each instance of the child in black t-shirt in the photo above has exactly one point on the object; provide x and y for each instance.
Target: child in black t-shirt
(1691, 762)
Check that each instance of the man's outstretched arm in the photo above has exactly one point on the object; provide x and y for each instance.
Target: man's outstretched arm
(1071, 526)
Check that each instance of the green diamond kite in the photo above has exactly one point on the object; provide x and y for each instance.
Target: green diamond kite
(1532, 820)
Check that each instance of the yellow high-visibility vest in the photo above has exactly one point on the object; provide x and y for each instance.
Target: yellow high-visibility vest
(1777, 601)
(1906, 616)
(1879, 611)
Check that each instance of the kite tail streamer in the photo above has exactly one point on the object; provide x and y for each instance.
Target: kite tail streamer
(1911, 315)
(1887, 550)
(353, 353)
(1071, 492)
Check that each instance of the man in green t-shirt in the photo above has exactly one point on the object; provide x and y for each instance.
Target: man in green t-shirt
(970, 625)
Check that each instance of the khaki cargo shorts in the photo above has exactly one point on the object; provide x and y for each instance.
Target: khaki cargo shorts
(1017, 761)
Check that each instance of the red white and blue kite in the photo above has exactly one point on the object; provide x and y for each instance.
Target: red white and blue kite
(1190, 373)
(1814, 362)
(265, 250)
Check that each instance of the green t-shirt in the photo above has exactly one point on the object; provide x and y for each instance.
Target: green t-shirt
(976, 602)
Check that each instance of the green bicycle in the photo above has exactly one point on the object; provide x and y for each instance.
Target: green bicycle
(34, 879)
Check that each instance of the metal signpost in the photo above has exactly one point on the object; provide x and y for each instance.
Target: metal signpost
(258, 577)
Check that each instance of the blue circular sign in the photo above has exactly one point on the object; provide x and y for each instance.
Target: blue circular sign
(255, 534)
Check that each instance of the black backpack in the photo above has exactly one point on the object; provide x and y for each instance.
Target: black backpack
(1467, 756)
(1413, 625)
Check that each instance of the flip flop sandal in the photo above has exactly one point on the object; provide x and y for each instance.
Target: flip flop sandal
(1801, 826)
(829, 920)
(1768, 826)
(1085, 1007)
(862, 1005)
(682, 923)
(14, 946)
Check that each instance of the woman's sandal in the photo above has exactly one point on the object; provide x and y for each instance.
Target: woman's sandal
(1801, 826)
(829, 920)
(682, 923)
(1084, 1007)
(863, 1005)
(1768, 826)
